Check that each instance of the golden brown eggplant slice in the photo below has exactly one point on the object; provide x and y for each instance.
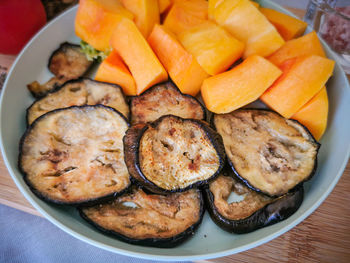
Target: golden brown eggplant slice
(80, 92)
(163, 99)
(75, 155)
(248, 210)
(149, 219)
(66, 63)
(173, 154)
(268, 152)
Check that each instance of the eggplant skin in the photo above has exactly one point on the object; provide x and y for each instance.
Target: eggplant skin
(164, 99)
(168, 242)
(274, 212)
(79, 92)
(132, 153)
(120, 186)
(275, 152)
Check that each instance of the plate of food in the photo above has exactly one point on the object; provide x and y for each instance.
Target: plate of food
(156, 141)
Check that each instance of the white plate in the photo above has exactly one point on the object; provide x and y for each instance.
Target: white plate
(209, 241)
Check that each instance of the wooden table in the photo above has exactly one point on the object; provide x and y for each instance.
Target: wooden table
(323, 237)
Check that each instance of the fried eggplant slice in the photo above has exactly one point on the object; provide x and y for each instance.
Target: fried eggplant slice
(80, 92)
(173, 154)
(266, 151)
(39, 90)
(69, 61)
(66, 63)
(75, 155)
(164, 99)
(149, 219)
(248, 210)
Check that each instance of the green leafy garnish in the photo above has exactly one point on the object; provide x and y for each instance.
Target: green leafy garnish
(92, 53)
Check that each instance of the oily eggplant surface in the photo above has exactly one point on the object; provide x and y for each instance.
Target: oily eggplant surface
(66, 63)
(78, 92)
(252, 210)
(75, 155)
(173, 154)
(149, 219)
(269, 153)
(164, 99)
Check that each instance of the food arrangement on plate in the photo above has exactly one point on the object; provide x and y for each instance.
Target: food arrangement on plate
(138, 153)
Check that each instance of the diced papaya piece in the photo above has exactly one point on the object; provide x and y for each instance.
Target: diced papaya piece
(138, 55)
(113, 70)
(214, 48)
(163, 5)
(146, 14)
(302, 78)
(255, 4)
(288, 26)
(182, 67)
(302, 46)
(96, 19)
(211, 8)
(314, 114)
(245, 22)
(181, 18)
(239, 86)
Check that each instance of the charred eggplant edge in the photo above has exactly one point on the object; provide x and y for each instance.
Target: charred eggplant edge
(88, 202)
(270, 214)
(169, 81)
(73, 81)
(245, 181)
(66, 43)
(169, 242)
(212, 135)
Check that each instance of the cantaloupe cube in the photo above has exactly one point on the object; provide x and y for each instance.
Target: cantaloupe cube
(96, 19)
(246, 23)
(214, 48)
(138, 55)
(182, 67)
(288, 26)
(164, 5)
(302, 46)
(314, 114)
(181, 18)
(239, 86)
(146, 14)
(302, 78)
(211, 8)
(113, 70)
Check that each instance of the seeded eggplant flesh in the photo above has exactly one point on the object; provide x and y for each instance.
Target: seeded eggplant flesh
(268, 152)
(238, 209)
(149, 219)
(164, 99)
(66, 63)
(80, 92)
(75, 155)
(175, 154)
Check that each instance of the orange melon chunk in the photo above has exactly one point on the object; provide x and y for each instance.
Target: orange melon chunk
(214, 48)
(246, 23)
(288, 26)
(163, 5)
(314, 114)
(302, 78)
(138, 55)
(146, 14)
(240, 86)
(113, 70)
(305, 45)
(95, 21)
(182, 67)
(181, 18)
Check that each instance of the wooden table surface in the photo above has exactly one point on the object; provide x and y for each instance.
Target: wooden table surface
(323, 237)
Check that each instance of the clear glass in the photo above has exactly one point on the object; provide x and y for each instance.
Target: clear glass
(331, 19)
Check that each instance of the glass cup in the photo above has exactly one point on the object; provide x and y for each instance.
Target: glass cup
(331, 19)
